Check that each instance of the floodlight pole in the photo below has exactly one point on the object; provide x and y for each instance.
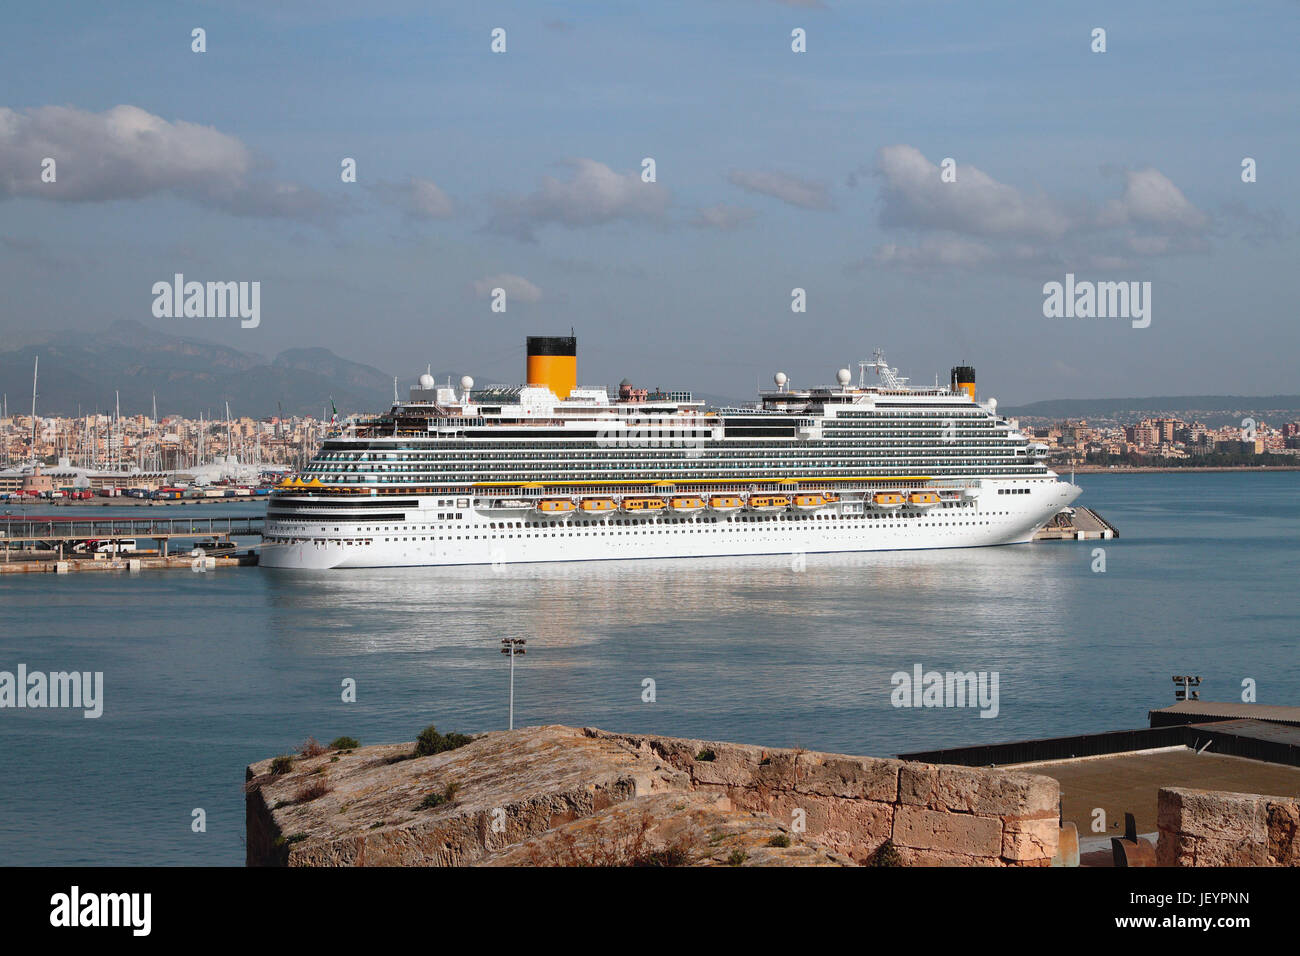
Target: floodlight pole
(512, 646)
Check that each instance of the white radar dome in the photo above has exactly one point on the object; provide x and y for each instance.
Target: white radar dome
(780, 378)
(993, 404)
(426, 381)
(844, 376)
(466, 383)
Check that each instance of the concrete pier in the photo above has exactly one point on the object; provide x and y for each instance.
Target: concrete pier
(127, 562)
(1084, 525)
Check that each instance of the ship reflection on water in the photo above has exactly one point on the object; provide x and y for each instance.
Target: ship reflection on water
(794, 604)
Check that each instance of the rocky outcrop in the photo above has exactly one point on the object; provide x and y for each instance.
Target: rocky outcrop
(564, 796)
(1217, 828)
(499, 790)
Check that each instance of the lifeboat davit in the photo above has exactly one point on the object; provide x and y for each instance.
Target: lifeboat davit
(726, 503)
(769, 502)
(555, 506)
(637, 505)
(598, 505)
(923, 499)
(687, 504)
(888, 500)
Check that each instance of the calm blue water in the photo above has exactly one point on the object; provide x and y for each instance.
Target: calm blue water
(206, 672)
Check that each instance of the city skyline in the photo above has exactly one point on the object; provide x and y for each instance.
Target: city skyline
(774, 171)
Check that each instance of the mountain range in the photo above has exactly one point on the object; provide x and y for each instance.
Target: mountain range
(83, 370)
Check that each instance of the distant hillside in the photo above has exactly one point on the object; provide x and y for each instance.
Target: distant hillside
(1211, 409)
(188, 376)
(81, 370)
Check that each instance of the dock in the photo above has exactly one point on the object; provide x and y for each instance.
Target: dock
(44, 544)
(1083, 525)
(129, 563)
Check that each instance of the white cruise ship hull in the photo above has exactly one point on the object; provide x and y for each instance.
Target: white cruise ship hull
(437, 534)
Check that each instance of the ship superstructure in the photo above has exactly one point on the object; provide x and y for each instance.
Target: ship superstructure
(549, 471)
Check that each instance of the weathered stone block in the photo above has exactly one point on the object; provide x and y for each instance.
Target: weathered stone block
(1283, 825)
(1212, 814)
(978, 790)
(917, 783)
(960, 833)
(860, 778)
(1026, 839)
(1175, 849)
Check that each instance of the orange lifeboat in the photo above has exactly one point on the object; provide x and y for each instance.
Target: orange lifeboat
(812, 502)
(726, 503)
(923, 499)
(769, 502)
(888, 500)
(598, 505)
(636, 505)
(687, 504)
(555, 506)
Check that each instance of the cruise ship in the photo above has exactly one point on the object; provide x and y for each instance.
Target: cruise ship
(550, 471)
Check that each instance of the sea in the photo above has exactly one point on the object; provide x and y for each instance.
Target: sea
(205, 672)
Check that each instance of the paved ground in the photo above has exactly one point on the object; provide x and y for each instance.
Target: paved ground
(1130, 782)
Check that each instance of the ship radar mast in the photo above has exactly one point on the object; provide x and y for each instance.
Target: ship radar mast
(888, 376)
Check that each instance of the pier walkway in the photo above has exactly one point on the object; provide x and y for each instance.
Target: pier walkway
(52, 531)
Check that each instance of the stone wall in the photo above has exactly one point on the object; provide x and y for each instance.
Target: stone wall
(546, 795)
(931, 814)
(1216, 828)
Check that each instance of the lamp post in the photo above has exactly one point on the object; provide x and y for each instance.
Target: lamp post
(512, 647)
(1183, 684)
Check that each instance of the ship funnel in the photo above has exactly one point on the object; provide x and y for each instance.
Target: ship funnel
(553, 363)
(963, 380)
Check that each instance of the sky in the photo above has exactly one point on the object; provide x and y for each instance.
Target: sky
(774, 170)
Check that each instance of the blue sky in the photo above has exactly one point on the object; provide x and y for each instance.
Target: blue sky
(775, 170)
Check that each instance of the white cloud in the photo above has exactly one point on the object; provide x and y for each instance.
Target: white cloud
(723, 216)
(797, 192)
(593, 196)
(429, 201)
(936, 251)
(128, 153)
(1151, 199)
(914, 196)
(516, 287)
(418, 198)
(1023, 230)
